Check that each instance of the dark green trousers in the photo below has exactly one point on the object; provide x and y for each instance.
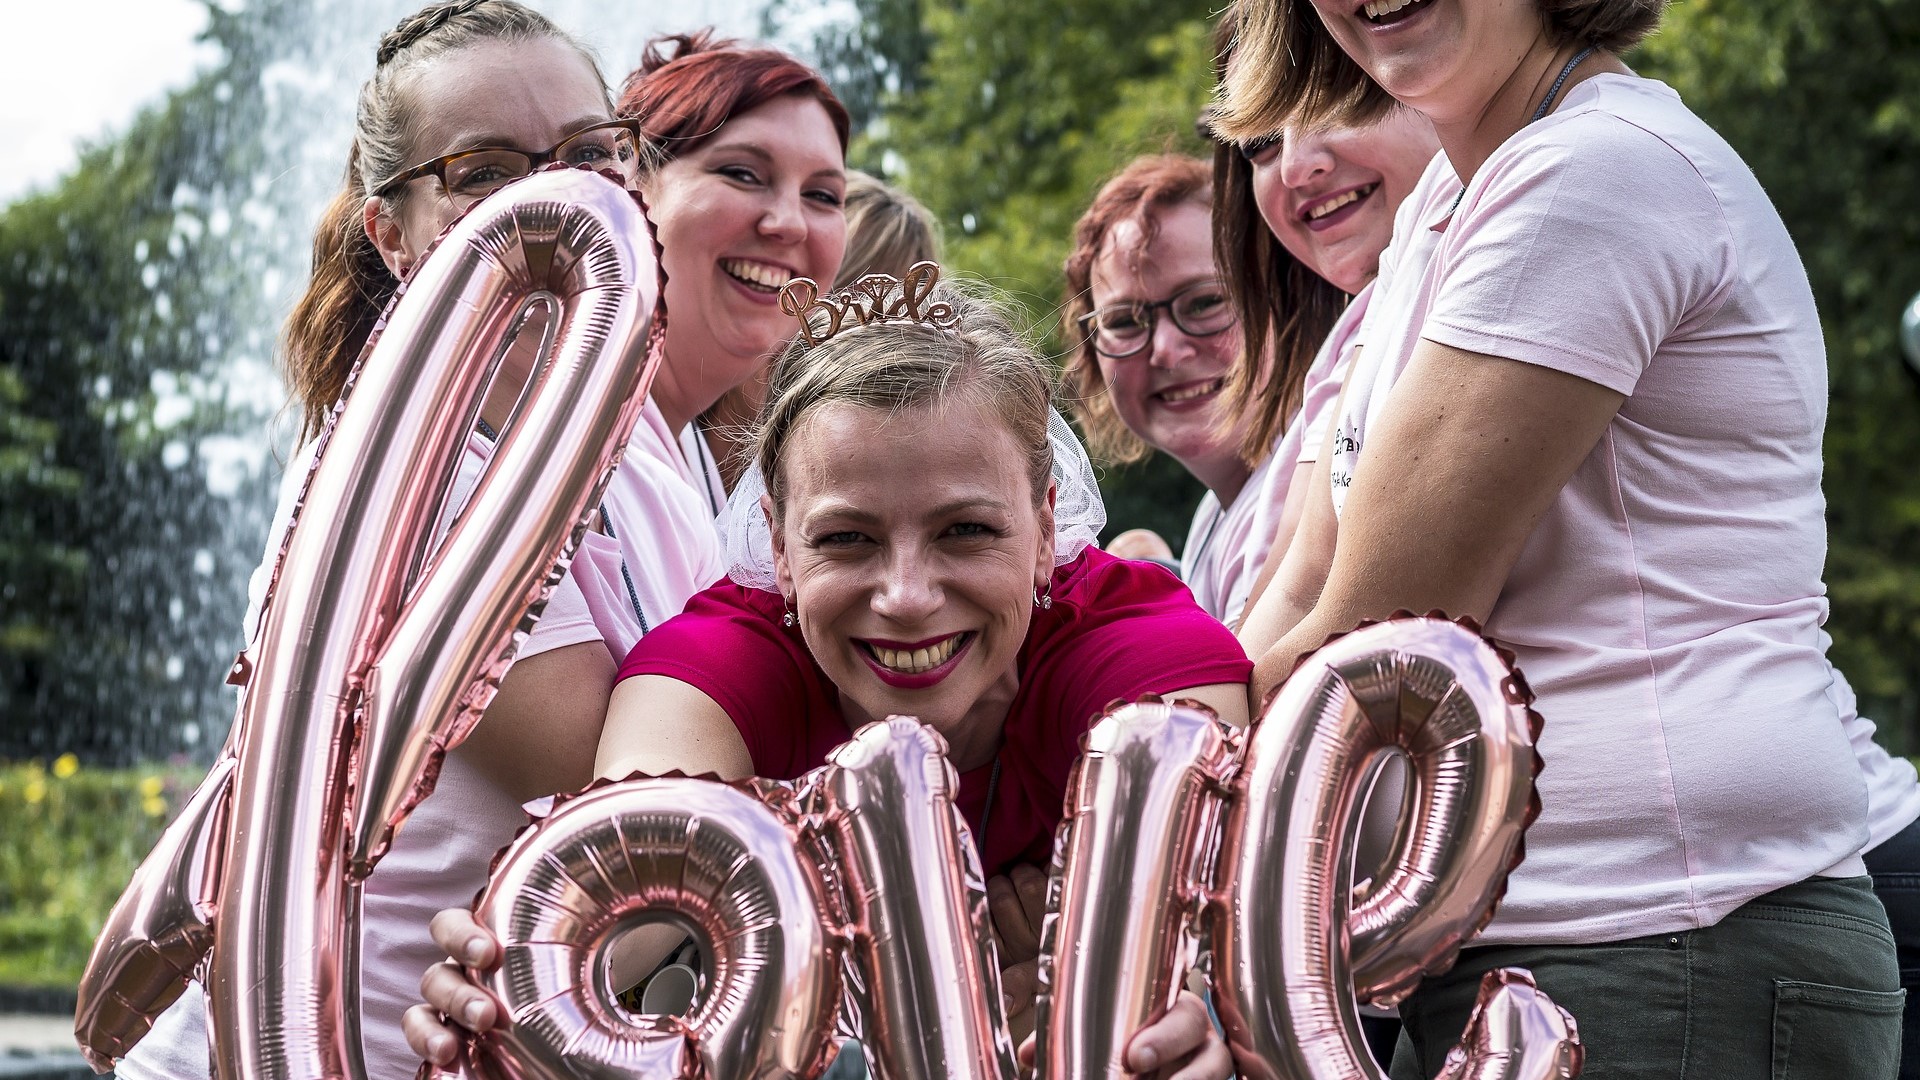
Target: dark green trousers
(1798, 984)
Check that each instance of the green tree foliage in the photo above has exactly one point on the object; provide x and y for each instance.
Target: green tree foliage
(1823, 101)
(876, 55)
(117, 286)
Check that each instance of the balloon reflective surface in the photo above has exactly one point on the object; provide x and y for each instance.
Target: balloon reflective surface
(1515, 1033)
(1427, 688)
(926, 972)
(727, 861)
(372, 620)
(1129, 880)
(158, 931)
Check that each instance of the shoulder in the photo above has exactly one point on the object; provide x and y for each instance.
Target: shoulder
(1096, 585)
(1135, 615)
(1619, 135)
(1118, 630)
(731, 645)
(723, 627)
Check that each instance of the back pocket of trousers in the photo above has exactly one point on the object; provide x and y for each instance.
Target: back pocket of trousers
(1836, 1032)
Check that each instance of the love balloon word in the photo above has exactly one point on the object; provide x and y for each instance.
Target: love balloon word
(852, 897)
(1178, 833)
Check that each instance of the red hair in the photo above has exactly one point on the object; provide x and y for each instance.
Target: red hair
(1139, 193)
(689, 85)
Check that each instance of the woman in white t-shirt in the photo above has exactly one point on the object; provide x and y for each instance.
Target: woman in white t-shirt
(445, 73)
(1587, 410)
(1300, 218)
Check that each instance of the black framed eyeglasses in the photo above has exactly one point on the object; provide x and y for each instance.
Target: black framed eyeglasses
(1200, 310)
(473, 174)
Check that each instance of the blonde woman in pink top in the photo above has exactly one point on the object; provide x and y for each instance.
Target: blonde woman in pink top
(1587, 410)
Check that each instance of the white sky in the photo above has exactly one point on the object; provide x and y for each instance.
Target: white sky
(75, 71)
(79, 70)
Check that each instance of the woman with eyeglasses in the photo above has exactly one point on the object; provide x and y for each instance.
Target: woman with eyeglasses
(739, 152)
(1153, 341)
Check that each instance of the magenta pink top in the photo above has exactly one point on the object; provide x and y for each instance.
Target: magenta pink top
(1117, 630)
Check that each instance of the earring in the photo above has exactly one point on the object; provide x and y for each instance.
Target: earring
(789, 619)
(1044, 600)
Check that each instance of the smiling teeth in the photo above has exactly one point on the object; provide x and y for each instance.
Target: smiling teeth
(916, 661)
(1381, 8)
(1328, 207)
(757, 273)
(1197, 390)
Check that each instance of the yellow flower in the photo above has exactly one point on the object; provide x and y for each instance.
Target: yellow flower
(154, 805)
(36, 791)
(151, 786)
(65, 766)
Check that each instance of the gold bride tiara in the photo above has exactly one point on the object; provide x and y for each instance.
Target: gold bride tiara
(875, 298)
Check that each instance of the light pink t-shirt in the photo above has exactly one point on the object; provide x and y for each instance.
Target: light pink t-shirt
(666, 552)
(1667, 607)
(1227, 549)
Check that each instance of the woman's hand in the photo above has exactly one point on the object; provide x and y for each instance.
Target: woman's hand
(450, 997)
(1018, 904)
(1182, 1045)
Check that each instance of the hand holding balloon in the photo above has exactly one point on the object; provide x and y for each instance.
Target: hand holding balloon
(1182, 1045)
(1018, 903)
(448, 993)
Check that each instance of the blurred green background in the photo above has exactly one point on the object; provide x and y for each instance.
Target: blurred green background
(1003, 116)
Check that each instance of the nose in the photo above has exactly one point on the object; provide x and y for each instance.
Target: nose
(909, 595)
(1171, 345)
(1303, 156)
(784, 220)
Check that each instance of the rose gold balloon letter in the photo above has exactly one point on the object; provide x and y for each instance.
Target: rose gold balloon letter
(1291, 951)
(373, 622)
(727, 862)
(1135, 854)
(918, 905)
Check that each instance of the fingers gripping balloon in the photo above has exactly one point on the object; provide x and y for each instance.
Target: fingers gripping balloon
(378, 650)
(1283, 938)
(737, 870)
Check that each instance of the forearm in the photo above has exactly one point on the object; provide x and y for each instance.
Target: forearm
(1457, 470)
(538, 735)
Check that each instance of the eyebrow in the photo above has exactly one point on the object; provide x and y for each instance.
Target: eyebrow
(756, 150)
(501, 142)
(851, 513)
(1183, 286)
